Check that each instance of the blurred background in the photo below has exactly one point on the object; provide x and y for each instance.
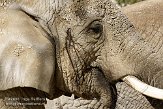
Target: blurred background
(126, 2)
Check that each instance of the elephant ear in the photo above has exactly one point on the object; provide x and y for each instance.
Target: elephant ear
(27, 57)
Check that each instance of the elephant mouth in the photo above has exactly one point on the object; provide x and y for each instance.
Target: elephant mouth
(24, 96)
(144, 88)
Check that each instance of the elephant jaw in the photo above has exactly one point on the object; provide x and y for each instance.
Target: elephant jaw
(143, 87)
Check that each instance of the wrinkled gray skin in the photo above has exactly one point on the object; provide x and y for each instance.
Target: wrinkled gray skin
(147, 17)
(127, 98)
(95, 45)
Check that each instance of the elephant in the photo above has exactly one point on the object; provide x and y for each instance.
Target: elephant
(94, 46)
(28, 39)
(147, 18)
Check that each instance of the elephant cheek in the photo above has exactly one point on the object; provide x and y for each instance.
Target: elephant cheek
(112, 65)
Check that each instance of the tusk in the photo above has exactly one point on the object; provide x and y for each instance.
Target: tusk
(143, 87)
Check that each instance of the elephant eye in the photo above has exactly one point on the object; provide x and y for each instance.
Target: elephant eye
(95, 28)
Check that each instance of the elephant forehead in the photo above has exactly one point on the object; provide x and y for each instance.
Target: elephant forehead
(89, 8)
(80, 11)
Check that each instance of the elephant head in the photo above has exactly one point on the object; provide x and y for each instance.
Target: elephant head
(95, 45)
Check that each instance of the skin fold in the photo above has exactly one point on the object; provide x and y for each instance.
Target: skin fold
(95, 45)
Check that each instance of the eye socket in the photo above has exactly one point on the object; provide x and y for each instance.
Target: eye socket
(95, 28)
